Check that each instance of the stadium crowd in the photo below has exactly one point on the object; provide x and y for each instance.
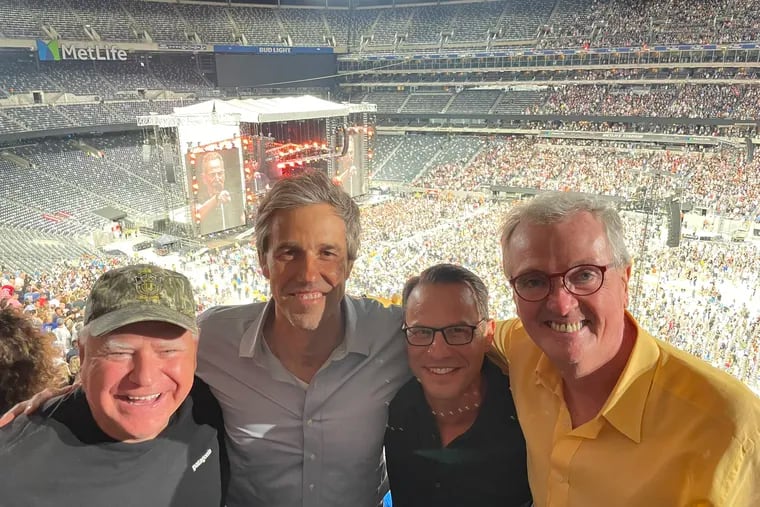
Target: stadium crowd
(702, 296)
(721, 180)
(675, 101)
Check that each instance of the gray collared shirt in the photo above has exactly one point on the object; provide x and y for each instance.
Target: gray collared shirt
(293, 444)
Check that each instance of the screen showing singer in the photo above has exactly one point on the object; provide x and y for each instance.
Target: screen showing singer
(220, 197)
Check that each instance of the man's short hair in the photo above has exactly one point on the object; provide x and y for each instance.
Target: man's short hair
(552, 207)
(312, 187)
(450, 274)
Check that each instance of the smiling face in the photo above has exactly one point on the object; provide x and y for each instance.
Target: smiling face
(446, 371)
(578, 333)
(136, 377)
(213, 174)
(307, 265)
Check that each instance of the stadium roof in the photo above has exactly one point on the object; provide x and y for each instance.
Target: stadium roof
(269, 110)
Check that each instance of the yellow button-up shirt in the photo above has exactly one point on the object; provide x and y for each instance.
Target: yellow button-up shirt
(674, 431)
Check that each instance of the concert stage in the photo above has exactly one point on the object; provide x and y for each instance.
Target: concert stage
(223, 154)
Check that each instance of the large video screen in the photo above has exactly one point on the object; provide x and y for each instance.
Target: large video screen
(282, 71)
(215, 177)
(219, 198)
(212, 160)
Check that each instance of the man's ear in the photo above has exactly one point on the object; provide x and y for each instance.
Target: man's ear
(80, 347)
(490, 330)
(626, 284)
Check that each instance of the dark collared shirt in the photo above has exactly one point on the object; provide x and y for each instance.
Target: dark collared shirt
(485, 466)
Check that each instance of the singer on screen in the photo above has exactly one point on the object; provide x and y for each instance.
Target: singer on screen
(219, 207)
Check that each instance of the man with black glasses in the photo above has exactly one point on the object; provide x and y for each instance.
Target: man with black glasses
(453, 438)
(611, 415)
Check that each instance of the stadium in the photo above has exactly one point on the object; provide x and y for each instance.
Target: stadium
(436, 117)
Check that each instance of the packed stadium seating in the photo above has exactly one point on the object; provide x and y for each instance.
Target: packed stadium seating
(108, 93)
(722, 181)
(551, 23)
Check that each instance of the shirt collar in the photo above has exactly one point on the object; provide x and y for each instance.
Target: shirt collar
(250, 344)
(624, 409)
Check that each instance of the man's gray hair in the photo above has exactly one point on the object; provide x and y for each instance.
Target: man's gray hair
(552, 207)
(313, 187)
(446, 274)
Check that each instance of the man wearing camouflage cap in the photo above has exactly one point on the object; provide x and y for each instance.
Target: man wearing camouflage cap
(140, 430)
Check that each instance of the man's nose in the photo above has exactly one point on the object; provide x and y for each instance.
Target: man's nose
(560, 300)
(144, 368)
(439, 348)
(309, 268)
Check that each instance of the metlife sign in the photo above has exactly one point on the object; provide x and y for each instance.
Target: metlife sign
(54, 51)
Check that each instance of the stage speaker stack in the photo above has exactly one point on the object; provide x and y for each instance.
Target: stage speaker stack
(750, 150)
(674, 224)
(169, 169)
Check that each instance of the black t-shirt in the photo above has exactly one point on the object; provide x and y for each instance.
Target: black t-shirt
(61, 457)
(486, 466)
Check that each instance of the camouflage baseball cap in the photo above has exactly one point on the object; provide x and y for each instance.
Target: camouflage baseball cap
(139, 293)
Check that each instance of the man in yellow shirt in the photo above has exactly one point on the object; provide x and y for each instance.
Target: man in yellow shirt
(612, 416)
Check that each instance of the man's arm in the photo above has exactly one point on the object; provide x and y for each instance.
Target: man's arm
(212, 202)
(34, 403)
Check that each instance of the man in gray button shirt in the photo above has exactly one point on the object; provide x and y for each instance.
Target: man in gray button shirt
(304, 380)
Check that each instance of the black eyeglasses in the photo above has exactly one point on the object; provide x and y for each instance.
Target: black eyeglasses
(581, 280)
(458, 334)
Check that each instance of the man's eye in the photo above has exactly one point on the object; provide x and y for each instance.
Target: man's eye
(531, 282)
(585, 276)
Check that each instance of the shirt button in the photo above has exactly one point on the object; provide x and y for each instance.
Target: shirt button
(309, 422)
(311, 487)
(312, 456)
(437, 485)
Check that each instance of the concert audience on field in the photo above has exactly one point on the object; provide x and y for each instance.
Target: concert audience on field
(702, 296)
